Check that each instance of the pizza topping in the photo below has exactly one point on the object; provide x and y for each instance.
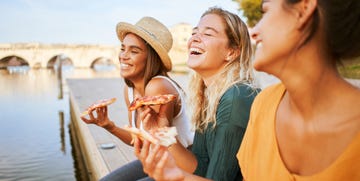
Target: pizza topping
(98, 104)
(151, 100)
(164, 136)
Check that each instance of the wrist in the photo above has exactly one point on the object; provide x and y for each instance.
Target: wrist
(110, 126)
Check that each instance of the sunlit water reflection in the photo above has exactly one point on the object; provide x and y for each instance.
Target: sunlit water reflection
(35, 142)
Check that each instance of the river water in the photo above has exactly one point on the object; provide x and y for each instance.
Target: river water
(35, 141)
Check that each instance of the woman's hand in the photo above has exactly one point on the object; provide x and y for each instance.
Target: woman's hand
(152, 120)
(101, 118)
(157, 162)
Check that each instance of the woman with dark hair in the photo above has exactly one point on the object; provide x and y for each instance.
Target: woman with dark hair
(308, 126)
(145, 63)
(222, 92)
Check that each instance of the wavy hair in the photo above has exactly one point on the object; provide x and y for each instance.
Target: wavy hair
(203, 100)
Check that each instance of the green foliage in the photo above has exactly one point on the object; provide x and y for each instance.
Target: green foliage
(251, 9)
(350, 68)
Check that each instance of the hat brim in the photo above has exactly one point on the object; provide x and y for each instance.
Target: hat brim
(124, 28)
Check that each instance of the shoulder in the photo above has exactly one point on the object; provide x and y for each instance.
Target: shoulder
(159, 86)
(240, 91)
(270, 94)
(273, 88)
(234, 106)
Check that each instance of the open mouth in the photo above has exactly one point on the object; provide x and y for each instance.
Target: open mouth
(258, 44)
(196, 51)
(124, 65)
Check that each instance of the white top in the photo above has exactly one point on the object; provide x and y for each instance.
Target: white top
(181, 121)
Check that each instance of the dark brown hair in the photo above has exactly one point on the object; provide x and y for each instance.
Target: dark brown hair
(341, 20)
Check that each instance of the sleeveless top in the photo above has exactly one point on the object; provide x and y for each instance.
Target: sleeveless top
(181, 121)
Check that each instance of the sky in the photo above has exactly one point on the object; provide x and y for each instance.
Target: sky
(92, 21)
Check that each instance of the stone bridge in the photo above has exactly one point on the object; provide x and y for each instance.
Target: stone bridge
(37, 55)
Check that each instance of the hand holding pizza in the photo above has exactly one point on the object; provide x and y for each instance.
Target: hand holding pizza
(150, 118)
(165, 136)
(101, 118)
(153, 120)
(157, 161)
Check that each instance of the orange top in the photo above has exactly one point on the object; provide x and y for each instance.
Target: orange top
(259, 156)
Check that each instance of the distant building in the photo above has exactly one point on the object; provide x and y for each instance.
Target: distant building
(181, 33)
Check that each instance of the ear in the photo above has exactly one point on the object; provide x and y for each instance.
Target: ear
(232, 54)
(305, 10)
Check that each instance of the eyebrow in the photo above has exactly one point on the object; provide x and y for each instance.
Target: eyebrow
(133, 47)
(207, 28)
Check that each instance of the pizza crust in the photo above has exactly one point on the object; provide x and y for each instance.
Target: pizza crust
(98, 104)
(165, 136)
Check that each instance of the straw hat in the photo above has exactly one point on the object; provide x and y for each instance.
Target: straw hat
(153, 32)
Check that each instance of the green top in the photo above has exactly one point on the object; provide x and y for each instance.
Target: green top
(216, 148)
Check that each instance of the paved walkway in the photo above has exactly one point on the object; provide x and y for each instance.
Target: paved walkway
(91, 138)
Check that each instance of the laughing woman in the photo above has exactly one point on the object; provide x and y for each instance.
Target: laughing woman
(308, 126)
(145, 64)
(221, 97)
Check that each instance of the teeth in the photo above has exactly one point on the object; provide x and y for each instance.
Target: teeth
(259, 45)
(195, 51)
(124, 65)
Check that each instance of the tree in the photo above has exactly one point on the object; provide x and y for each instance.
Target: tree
(251, 9)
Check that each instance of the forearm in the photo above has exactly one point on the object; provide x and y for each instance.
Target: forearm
(119, 133)
(184, 158)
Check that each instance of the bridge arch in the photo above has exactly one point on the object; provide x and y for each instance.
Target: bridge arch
(102, 62)
(57, 59)
(12, 60)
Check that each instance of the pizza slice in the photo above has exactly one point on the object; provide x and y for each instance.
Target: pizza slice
(164, 136)
(98, 104)
(151, 100)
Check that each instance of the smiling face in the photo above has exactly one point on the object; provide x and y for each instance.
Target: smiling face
(133, 56)
(276, 37)
(208, 46)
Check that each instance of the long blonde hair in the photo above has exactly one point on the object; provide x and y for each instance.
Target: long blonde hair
(203, 100)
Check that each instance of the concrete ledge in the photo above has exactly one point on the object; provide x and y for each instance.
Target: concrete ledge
(94, 163)
(82, 92)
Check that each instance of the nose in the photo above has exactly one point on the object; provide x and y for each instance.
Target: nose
(123, 55)
(194, 38)
(254, 33)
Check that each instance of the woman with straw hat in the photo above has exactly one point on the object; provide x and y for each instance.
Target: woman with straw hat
(145, 63)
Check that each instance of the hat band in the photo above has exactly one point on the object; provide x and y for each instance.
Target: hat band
(151, 34)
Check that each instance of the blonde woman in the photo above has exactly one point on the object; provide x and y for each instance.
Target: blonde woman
(220, 99)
